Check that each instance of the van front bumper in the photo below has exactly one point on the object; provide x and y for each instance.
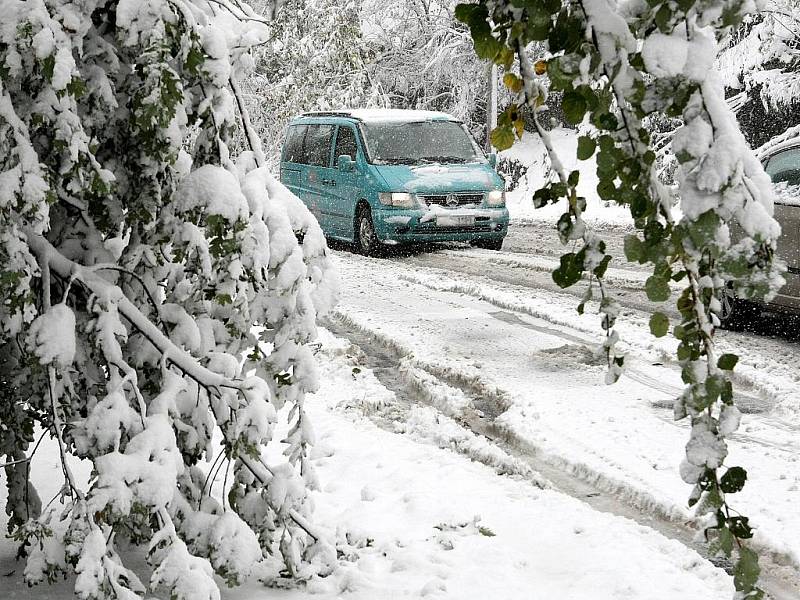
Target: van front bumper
(397, 226)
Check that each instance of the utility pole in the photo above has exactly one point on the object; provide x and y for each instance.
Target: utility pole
(491, 104)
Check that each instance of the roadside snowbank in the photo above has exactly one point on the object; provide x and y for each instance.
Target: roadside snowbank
(531, 152)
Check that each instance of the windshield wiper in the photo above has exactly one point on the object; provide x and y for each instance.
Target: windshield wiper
(444, 159)
(398, 160)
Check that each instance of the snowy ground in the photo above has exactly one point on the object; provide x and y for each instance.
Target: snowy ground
(423, 520)
(469, 449)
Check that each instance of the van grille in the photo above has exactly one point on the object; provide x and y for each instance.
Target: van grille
(453, 200)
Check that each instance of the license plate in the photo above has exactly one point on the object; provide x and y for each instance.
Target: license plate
(455, 220)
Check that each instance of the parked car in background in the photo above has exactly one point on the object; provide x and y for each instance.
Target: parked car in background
(386, 177)
(781, 160)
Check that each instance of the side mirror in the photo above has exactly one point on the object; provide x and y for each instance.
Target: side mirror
(345, 163)
(492, 160)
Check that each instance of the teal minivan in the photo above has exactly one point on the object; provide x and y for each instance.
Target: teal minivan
(387, 177)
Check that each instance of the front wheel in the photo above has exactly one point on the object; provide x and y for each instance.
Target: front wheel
(367, 242)
(489, 244)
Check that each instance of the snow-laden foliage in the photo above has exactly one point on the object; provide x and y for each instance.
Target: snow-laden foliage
(616, 64)
(157, 300)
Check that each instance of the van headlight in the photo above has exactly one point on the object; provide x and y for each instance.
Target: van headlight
(398, 199)
(496, 198)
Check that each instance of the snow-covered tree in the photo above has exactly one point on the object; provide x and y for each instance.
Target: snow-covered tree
(760, 68)
(314, 60)
(422, 57)
(617, 64)
(157, 300)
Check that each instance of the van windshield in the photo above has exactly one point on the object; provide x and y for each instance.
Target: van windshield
(419, 142)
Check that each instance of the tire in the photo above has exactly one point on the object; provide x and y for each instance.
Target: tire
(366, 240)
(489, 244)
(736, 314)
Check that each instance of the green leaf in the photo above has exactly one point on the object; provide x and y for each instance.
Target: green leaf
(634, 249)
(542, 197)
(570, 271)
(733, 480)
(663, 17)
(704, 229)
(727, 362)
(486, 531)
(586, 146)
(714, 386)
(48, 66)
(606, 163)
(464, 12)
(574, 107)
(194, 58)
(502, 137)
(659, 324)
(740, 527)
(573, 178)
(657, 289)
(606, 189)
(746, 572)
(600, 270)
(726, 541)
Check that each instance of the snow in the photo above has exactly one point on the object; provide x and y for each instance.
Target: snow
(419, 520)
(43, 43)
(673, 55)
(530, 151)
(214, 190)
(52, 336)
(444, 323)
(63, 69)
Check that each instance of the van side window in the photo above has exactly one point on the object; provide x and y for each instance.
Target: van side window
(345, 143)
(317, 145)
(293, 148)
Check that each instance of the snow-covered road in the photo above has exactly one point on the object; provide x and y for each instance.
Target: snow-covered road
(491, 329)
(468, 447)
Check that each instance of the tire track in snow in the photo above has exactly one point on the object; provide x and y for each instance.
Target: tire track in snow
(598, 490)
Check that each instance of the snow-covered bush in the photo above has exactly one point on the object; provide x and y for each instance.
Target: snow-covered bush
(156, 302)
(616, 64)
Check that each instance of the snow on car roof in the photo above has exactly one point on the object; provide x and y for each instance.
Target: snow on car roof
(385, 114)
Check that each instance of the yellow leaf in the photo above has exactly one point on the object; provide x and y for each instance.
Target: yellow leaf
(540, 67)
(502, 138)
(519, 126)
(512, 82)
(506, 57)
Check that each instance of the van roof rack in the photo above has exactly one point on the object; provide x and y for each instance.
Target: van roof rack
(329, 113)
(382, 114)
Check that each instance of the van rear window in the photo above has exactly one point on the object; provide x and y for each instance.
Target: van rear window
(293, 147)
